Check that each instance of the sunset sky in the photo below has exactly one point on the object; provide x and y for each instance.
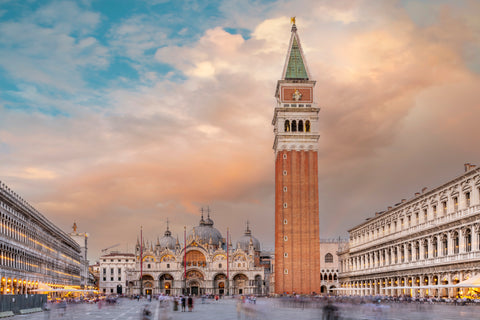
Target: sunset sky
(117, 114)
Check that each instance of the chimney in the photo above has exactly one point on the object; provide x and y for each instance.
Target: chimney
(466, 166)
(417, 194)
(389, 208)
(404, 200)
(424, 189)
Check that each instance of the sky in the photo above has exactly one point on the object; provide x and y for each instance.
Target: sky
(119, 114)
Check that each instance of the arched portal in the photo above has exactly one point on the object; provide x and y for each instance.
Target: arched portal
(166, 283)
(240, 283)
(147, 284)
(220, 283)
(195, 280)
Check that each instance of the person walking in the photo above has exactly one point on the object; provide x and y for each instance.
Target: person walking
(183, 301)
(190, 304)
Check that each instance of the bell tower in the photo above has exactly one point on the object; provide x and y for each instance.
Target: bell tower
(295, 121)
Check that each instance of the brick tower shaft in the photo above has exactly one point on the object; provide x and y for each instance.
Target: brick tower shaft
(297, 238)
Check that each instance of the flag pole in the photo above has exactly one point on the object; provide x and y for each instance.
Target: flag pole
(141, 260)
(185, 258)
(228, 264)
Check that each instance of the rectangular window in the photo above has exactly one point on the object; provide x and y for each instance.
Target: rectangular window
(104, 270)
(444, 206)
(119, 270)
(425, 215)
(111, 270)
(104, 278)
(417, 221)
(467, 199)
(434, 212)
(119, 278)
(455, 203)
(111, 279)
(168, 265)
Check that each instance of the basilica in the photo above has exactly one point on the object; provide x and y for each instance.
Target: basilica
(206, 263)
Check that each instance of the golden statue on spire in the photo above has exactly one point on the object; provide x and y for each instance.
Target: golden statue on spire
(292, 20)
(74, 226)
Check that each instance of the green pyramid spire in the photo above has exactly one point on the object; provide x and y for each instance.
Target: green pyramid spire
(296, 67)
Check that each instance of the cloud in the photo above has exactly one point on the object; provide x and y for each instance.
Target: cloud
(46, 48)
(398, 103)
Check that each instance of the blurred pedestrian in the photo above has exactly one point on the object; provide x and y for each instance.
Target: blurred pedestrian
(330, 312)
(184, 302)
(190, 303)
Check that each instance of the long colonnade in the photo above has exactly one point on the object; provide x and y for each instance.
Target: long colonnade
(418, 247)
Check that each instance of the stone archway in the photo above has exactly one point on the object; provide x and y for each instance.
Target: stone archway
(195, 280)
(165, 282)
(240, 283)
(220, 284)
(147, 284)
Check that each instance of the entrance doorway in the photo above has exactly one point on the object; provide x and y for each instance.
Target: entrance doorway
(119, 289)
(148, 292)
(194, 290)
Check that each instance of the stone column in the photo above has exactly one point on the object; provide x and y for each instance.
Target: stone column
(461, 240)
(475, 237)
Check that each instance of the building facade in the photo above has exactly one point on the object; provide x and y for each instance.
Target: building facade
(82, 239)
(204, 264)
(34, 253)
(329, 264)
(112, 272)
(421, 247)
(295, 121)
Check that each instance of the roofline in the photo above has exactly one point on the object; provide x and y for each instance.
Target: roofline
(415, 199)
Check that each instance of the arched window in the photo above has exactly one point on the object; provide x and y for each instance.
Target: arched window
(321, 276)
(294, 125)
(330, 278)
(445, 246)
(435, 247)
(456, 243)
(287, 126)
(468, 240)
(425, 249)
(300, 126)
(328, 258)
(307, 126)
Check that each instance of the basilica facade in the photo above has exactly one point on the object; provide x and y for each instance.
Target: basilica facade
(206, 263)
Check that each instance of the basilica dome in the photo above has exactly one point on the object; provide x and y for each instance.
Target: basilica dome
(205, 233)
(167, 241)
(244, 242)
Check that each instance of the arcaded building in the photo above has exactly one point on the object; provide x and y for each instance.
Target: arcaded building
(424, 246)
(205, 264)
(295, 121)
(34, 253)
(329, 264)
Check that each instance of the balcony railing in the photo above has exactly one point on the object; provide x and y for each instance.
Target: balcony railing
(458, 258)
(456, 215)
